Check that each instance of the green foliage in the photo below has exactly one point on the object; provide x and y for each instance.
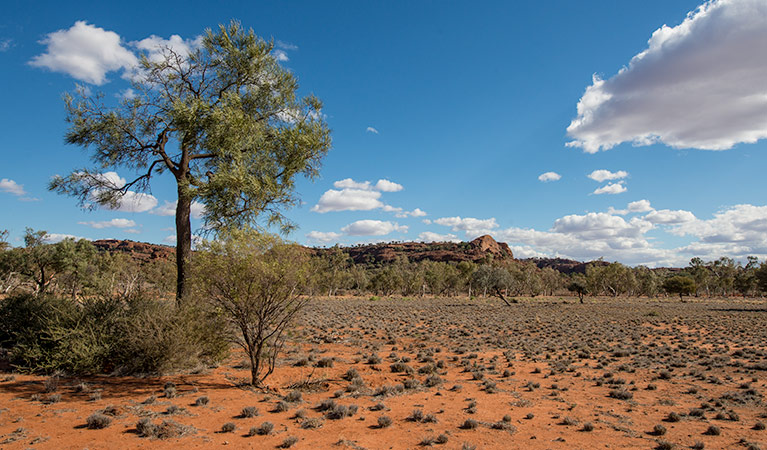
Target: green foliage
(679, 284)
(256, 282)
(578, 285)
(242, 134)
(48, 334)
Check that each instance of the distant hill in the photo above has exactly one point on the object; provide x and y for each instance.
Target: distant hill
(477, 250)
(563, 265)
(141, 251)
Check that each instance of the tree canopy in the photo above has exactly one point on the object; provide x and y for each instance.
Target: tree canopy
(224, 119)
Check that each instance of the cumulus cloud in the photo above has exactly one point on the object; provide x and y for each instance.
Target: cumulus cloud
(197, 209)
(348, 200)
(471, 226)
(699, 85)
(155, 47)
(668, 217)
(604, 175)
(171, 240)
(12, 187)
(388, 186)
(736, 231)
(323, 237)
(135, 202)
(549, 176)
(130, 201)
(414, 213)
(114, 223)
(53, 238)
(373, 228)
(85, 52)
(640, 206)
(429, 236)
(371, 130)
(280, 55)
(611, 188)
(348, 183)
(357, 196)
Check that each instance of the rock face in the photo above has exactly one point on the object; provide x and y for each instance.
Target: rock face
(140, 251)
(477, 250)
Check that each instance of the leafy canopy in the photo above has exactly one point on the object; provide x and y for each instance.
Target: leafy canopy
(224, 119)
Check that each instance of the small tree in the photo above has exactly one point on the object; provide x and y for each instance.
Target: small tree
(224, 120)
(255, 281)
(679, 285)
(578, 286)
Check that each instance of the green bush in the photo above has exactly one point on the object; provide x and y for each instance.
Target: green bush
(126, 335)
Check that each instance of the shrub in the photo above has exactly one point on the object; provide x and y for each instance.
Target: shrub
(469, 424)
(123, 334)
(265, 428)
(384, 421)
(97, 421)
(249, 411)
(288, 442)
(228, 427)
(713, 430)
(256, 281)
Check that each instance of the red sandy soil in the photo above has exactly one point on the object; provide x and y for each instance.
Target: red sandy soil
(549, 417)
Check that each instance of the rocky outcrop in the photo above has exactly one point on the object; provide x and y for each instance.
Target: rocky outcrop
(141, 251)
(481, 249)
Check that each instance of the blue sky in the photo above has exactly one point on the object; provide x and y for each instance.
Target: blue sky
(460, 107)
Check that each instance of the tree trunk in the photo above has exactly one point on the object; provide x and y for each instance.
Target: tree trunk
(183, 242)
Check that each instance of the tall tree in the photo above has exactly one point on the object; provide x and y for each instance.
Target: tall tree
(224, 119)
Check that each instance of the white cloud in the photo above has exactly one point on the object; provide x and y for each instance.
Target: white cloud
(323, 237)
(197, 209)
(357, 196)
(373, 228)
(549, 176)
(280, 55)
(348, 200)
(85, 52)
(388, 186)
(697, 85)
(600, 226)
(129, 202)
(371, 130)
(736, 231)
(5, 45)
(12, 187)
(53, 238)
(640, 206)
(135, 202)
(428, 236)
(127, 94)
(668, 217)
(348, 183)
(285, 45)
(155, 47)
(611, 188)
(171, 240)
(604, 175)
(114, 223)
(471, 226)
(414, 213)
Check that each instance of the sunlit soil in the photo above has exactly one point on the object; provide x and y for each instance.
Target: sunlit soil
(410, 373)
